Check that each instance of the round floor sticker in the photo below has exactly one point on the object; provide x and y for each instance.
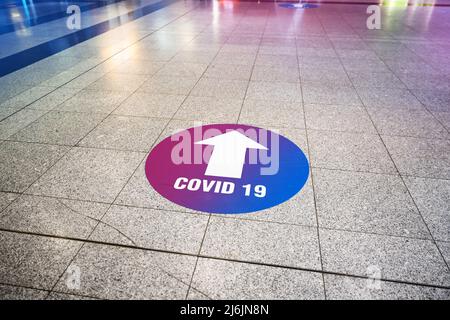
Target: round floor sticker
(227, 168)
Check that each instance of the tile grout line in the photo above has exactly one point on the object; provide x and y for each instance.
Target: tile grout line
(251, 74)
(45, 291)
(196, 261)
(310, 159)
(168, 119)
(432, 114)
(94, 242)
(178, 119)
(225, 217)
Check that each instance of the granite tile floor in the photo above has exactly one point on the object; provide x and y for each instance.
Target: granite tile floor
(370, 109)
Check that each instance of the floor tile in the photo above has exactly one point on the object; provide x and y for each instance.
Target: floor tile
(182, 69)
(10, 90)
(156, 55)
(405, 259)
(388, 98)
(62, 78)
(357, 54)
(168, 85)
(153, 229)
(297, 136)
(150, 105)
(249, 34)
(318, 77)
(434, 100)
(125, 133)
(322, 64)
(271, 243)
(203, 57)
(443, 118)
(28, 75)
(375, 80)
(338, 118)
(350, 44)
(84, 80)
(227, 71)
(350, 288)
(138, 192)
(110, 272)
(278, 91)
(305, 52)
(444, 247)
(25, 98)
(270, 74)
(403, 68)
(93, 101)
(210, 109)
(53, 99)
(52, 216)
(272, 113)
(239, 48)
(420, 157)
(23, 163)
(63, 296)
(426, 81)
(34, 261)
(18, 121)
(366, 202)
(6, 112)
(316, 42)
(230, 58)
(299, 210)
(278, 49)
(220, 88)
(55, 127)
(357, 65)
(432, 197)
(403, 122)
(88, 174)
(315, 94)
(21, 293)
(273, 60)
(6, 198)
(138, 67)
(349, 151)
(118, 82)
(218, 279)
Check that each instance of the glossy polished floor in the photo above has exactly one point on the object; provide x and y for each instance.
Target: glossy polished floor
(370, 108)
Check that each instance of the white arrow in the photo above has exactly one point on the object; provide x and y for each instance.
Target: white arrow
(228, 157)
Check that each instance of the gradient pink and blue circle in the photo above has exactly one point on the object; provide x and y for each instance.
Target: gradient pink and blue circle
(292, 174)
